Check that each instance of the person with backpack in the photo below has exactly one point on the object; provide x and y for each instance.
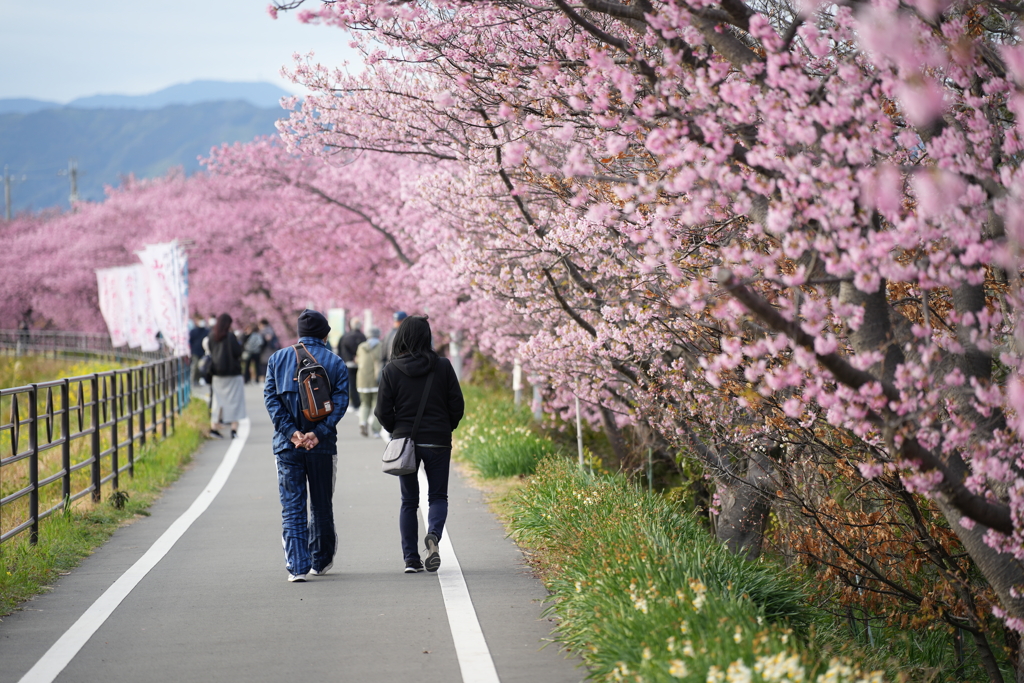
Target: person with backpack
(306, 393)
(252, 347)
(420, 398)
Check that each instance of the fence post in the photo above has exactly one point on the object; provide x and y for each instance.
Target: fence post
(163, 401)
(114, 464)
(96, 475)
(173, 389)
(152, 393)
(33, 464)
(65, 446)
(517, 382)
(131, 424)
(142, 405)
(579, 431)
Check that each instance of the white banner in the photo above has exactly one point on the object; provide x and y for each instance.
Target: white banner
(147, 298)
(141, 328)
(124, 304)
(113, 306)
(166, 287)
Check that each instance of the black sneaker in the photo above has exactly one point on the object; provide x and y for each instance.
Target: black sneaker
(433, 560)
(215, 434)
(234, 434)
(413, 568)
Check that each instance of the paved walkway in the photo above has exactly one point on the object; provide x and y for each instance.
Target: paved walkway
(217, 606)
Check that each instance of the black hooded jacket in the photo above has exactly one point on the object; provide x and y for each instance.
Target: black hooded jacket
(398, 398)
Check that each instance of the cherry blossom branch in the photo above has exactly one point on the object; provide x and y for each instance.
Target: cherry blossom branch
(369, 221)
(565, 305)
(540, 231)
(608, 39)
(978, 508)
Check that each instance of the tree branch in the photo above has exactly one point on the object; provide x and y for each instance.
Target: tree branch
(978, 508)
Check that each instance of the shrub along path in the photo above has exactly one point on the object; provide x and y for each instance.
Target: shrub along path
(217, 606)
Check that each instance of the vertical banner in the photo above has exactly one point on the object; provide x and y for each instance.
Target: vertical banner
(113, 304)
(142, 300)
(336, 319)
(124, 304)
(163, 267)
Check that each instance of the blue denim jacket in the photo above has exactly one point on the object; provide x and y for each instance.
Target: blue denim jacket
(281, 394)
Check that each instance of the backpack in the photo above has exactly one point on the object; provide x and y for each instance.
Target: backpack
(205, 368)
(254, 344)
(314, 386)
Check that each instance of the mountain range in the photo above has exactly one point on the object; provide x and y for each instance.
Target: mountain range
(111, 136)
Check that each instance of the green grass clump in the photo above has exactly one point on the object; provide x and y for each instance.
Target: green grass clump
(64, 539)
(644, 593)
(497, 438)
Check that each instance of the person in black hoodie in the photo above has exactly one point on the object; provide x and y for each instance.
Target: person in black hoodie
(347, 347)
(402, 383)
(228, 404)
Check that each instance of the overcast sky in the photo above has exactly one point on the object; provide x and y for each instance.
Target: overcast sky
(62, 49)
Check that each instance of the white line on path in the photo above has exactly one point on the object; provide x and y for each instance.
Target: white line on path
(470, 647)
(64, 650)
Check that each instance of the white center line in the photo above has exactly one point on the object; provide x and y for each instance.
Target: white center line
(64, 650)
(470, 646)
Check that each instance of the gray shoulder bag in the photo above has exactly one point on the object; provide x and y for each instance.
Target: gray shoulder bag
(400, 454)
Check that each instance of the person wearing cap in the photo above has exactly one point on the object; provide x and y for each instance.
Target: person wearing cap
(389, 341)
(306, 452)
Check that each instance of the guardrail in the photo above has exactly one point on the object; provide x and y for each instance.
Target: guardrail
(51, 342)
(81, 433)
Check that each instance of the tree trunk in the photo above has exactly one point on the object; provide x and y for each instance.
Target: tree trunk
(745, 508)
(615, 439)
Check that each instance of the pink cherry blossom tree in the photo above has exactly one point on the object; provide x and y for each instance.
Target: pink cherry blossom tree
(810, 213)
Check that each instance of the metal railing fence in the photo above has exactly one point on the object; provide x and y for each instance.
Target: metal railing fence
(64, 439)
(55, 343)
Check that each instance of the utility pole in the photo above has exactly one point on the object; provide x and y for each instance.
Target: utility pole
(73, 175)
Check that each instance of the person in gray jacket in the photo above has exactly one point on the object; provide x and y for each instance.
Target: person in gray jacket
(368, 360)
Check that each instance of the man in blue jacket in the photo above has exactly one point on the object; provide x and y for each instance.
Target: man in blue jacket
(306, 452)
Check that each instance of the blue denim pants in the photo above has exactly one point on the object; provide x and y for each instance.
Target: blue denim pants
(309, 540)
(436, 462)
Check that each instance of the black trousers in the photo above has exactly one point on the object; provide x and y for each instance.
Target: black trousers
(353, 392)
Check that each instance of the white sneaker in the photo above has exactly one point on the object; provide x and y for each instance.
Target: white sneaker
(296, 578)
(322, 571)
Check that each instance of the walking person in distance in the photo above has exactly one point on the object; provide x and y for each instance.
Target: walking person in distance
(369, 363)
(228, 404)
(306, 451)
(270, 345)
(196, 335)
(348, 345)
(389, 340)
(415, 368)
(252, 347)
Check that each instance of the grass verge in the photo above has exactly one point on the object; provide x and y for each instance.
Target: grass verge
(64, 539)
(643, 593)
(497, 439)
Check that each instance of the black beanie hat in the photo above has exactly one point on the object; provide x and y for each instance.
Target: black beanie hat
(313, 324)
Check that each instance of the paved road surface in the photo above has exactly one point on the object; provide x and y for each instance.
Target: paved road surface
(218, 607)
